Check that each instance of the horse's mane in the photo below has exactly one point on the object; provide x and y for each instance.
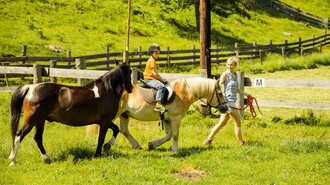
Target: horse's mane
(113, 78)
(200, 86)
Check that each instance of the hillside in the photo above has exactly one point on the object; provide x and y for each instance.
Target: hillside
(87, 27)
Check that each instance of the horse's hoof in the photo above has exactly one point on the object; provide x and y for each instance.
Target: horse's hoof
(12, 163)
(137, 147)
(150, 146)
(106, 147)
(97, 155)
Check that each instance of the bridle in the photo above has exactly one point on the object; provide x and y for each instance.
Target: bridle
(208, 104)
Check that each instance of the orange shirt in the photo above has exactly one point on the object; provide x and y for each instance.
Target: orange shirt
(151, 64)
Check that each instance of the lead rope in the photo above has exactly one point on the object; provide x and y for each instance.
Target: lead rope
(249, 104)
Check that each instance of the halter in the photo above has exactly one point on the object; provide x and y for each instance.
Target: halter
(208, 103)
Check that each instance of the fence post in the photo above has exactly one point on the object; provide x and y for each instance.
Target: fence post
(125, 56)
(217, 53)
(298, 14)
(284, 48)
(283, 52)
(254, 44)
(240, 99)
(260, 55)
(24, 50)
(68, 55)
(80, 64)
(5, 74)
(313, 37)
(140, 55)
(134, 75)
(37, 73)
(193, 47)
(53, 65)
(168, 56)
(299, 44)
(107, 51)
(236, 49)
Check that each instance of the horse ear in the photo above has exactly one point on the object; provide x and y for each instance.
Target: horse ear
(116, 62)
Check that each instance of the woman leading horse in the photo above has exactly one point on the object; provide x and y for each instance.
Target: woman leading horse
(96, 102)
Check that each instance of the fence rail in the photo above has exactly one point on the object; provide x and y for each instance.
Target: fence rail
(298, 14)
(169, 57)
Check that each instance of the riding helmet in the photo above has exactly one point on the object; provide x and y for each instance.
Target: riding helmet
(153, 47)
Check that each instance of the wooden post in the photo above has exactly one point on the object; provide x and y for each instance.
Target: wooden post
(193, 47)
(217, 53)
(283, 52)
(240, 98)
(313, 41)
(140, 54)
(24, 50)
(260, 56)
(134, 75)
(205, 38)
(298, 14)
(53, 65)
(37, 73)
(80, 64)
(5, 74)
(168, 56)
(128, 25)
(299, 44)
(236, 49)
(126, 56)
(254, 49)
(107, 51)
(68, 55)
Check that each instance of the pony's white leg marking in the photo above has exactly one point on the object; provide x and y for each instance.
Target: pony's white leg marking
(175, 145)
(12, 156)
(112, 141)
(44, 157)
(96, 92)
(175, 135)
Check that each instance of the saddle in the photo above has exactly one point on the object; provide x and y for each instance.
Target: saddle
(149, 94)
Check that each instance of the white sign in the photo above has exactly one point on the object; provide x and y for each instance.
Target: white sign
(259, 82)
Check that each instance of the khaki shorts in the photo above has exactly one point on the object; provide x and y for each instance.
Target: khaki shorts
(231, 104)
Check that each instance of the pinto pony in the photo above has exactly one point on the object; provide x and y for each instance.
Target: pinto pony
(96, 102)
(188, 91)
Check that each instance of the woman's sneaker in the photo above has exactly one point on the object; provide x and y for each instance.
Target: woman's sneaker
(160, 108)
(207, 142)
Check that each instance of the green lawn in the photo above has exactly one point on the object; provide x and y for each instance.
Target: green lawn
(279, 151)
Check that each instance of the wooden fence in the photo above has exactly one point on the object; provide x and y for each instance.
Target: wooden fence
(37, 71)
(298, 14)
(169, 57)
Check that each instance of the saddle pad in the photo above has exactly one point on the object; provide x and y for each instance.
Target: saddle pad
(149, 94)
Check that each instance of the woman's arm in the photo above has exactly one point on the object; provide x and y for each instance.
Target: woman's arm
(242, 92)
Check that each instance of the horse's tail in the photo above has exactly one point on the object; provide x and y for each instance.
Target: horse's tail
(16, 108)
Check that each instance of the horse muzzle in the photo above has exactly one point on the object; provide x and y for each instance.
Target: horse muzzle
(223, 108)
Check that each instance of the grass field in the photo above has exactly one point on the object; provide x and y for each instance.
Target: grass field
(282, 150)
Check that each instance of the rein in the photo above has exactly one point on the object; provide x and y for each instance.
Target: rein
(249, 104)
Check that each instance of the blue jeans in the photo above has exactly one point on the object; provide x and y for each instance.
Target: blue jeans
(159, 86)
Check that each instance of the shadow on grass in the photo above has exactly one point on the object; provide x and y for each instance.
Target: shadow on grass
(75, 154)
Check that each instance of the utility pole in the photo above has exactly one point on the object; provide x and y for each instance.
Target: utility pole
(205, 38)
(126, 54)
